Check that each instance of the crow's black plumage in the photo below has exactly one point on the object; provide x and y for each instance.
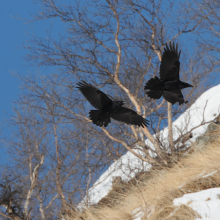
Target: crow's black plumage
(169, 85)
(108, 109)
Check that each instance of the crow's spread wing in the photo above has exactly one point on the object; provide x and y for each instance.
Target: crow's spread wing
(129, 116)
(170, 65)
(96, 97)
(174, 96)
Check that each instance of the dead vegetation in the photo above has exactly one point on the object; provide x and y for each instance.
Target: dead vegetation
(152, 193)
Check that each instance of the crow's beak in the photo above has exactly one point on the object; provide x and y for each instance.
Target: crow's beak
(190, 85)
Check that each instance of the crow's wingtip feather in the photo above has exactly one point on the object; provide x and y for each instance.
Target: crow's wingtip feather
(82, 84)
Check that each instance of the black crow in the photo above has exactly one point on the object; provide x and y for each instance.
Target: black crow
(107, 108)
(169, 85)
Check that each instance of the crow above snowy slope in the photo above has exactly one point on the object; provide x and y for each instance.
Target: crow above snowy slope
(108, 109)
(169, 85)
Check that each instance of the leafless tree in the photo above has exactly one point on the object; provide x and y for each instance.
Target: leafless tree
(116, 46)
(208, 34)
(10, 199)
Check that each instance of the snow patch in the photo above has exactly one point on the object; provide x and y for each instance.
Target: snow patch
(126, 167)
(205, 202)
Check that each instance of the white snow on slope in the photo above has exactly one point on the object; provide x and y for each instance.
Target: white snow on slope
(206, 203)
(126, 167)
(137, 214)
(205, 109)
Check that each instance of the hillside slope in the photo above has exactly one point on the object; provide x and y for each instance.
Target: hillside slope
(151, 195)
(158, 196)
(205, 109)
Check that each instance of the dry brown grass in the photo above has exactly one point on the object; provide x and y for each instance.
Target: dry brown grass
(156, 193)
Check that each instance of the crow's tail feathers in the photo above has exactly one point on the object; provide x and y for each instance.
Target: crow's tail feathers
(154, 88)
(154, 94)
(99, 118)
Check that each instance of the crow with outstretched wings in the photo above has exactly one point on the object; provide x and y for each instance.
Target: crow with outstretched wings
(169, 85)
(108, 109)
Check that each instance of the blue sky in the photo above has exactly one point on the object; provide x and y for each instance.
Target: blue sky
(14, 33)
(15, 29)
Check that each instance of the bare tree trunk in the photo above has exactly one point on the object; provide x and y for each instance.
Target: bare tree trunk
(58, 168)
(170, 129)
(33, 178)
(42, 211)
